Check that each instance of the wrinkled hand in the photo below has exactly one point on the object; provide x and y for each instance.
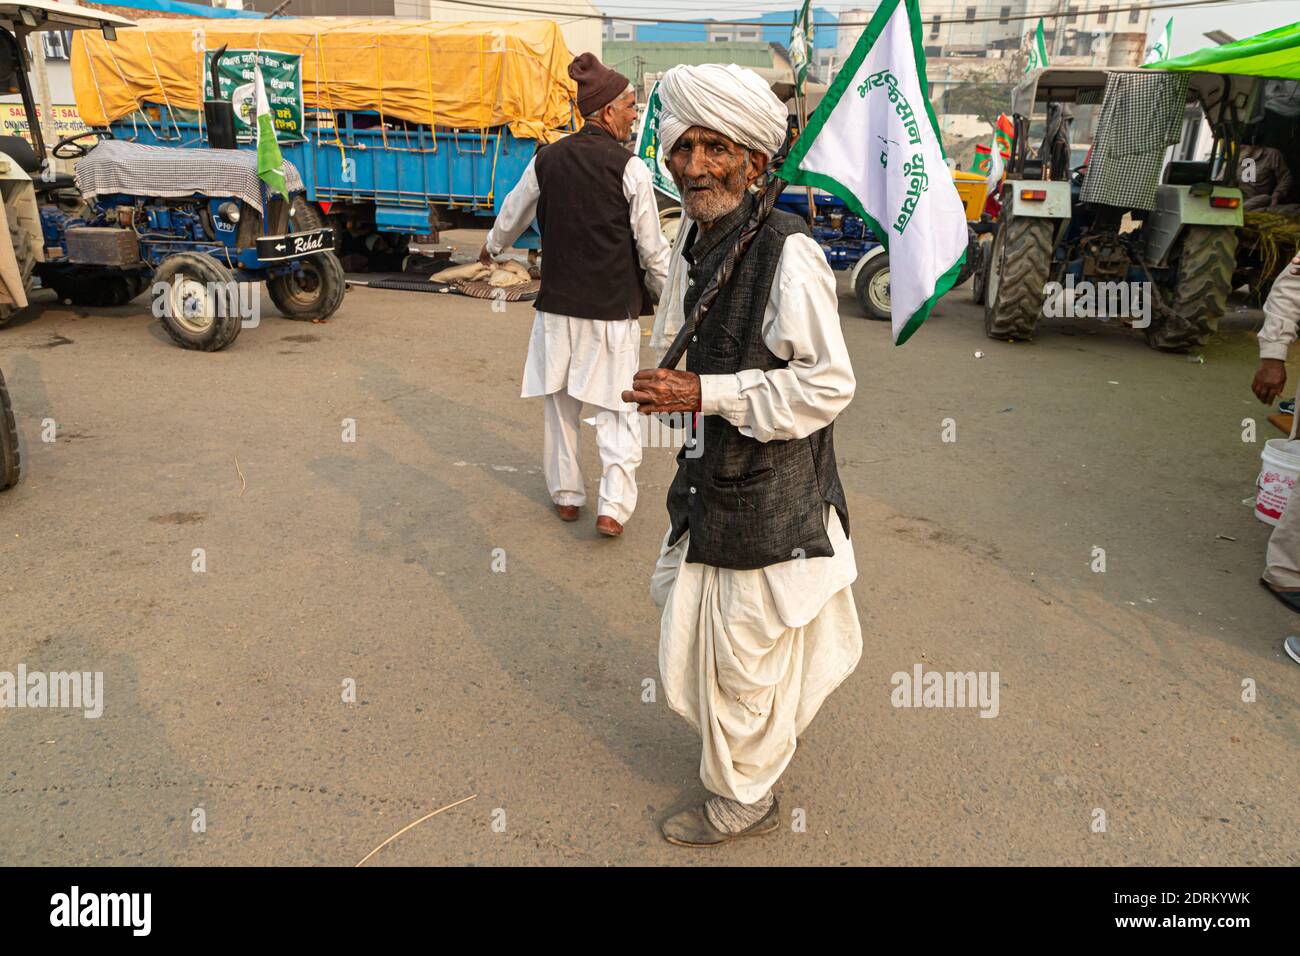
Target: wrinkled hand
(1269, 380)
(485, 257)
(664, 390)
(1295, 266)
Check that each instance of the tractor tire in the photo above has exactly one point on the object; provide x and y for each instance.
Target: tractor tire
(10, 459)
(1014, 287)
(1198, 295)
(24, 253)
(306, 215)
(200, 310)
(980, 275)
(105, 290)
(313, 291)
(872, 289)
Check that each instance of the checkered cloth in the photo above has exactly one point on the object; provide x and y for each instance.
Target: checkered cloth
(1141, 115)
(116, 166)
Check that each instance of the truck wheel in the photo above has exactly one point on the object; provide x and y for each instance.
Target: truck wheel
(313, 291)
(872, 289)
(199, 308)
(1198, 295)
(10, 460)
(1018, 267)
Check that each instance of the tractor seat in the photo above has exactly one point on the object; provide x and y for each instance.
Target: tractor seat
(21, 152)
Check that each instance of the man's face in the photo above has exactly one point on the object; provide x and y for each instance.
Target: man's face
(712, 172)
(620, 116)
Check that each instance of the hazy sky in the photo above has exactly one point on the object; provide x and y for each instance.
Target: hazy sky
(1238, 18)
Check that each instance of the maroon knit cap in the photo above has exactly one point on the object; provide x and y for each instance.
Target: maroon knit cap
(597, 83)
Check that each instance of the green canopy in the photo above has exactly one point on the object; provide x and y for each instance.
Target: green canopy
(1273, 54)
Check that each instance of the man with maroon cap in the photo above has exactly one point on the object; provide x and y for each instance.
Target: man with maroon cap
(604, 259)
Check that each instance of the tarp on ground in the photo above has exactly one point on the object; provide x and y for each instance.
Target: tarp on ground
(470, 75)
(1275, 53)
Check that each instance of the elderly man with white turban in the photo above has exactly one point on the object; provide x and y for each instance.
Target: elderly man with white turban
(754, 575)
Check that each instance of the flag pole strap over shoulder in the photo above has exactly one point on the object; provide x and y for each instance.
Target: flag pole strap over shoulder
(791, 172)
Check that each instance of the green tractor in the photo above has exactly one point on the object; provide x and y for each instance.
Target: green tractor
(1100, 204)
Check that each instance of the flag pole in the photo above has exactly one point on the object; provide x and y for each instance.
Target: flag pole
(801, 109)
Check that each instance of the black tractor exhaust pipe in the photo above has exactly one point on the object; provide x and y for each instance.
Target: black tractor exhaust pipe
(218, 113)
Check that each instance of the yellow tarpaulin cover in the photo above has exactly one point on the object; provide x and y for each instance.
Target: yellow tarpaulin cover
(463, 75)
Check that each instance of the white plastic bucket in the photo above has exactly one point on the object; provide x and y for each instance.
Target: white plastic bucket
(1277, 477)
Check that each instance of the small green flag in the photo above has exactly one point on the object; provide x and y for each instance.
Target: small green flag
(1159, 49)
(801, 41)
(1037, 50)
(270, 164)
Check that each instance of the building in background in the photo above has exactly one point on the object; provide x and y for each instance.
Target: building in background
(975, 50)
(643, 62)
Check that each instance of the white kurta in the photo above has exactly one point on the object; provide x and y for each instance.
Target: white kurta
(593, 359)
(574, 360)
(748, 657)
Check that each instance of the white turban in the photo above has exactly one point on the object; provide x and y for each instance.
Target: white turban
(725, 98)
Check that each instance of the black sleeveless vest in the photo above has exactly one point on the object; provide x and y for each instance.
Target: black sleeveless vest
(748, 504)
(590, 266)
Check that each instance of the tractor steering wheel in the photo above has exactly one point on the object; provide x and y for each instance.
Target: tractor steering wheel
(69, 148)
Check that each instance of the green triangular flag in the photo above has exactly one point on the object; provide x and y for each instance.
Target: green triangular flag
(1037, 50)
(270, 164)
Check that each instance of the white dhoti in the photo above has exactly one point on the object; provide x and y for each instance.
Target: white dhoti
(748, 657)
(572, 361)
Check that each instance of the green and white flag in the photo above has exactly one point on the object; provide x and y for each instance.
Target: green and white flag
(1037, 49)
(1159, 49)
(873, 142)
(647, 146)
(269, 161)
(801, 44)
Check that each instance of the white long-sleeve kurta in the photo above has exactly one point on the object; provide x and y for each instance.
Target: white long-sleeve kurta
(595, 360)
(748, 657)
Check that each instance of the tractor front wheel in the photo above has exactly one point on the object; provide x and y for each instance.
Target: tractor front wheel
(1198, 295)
(312, 291)
(872, 289)
(1015, 286)
(199, 307)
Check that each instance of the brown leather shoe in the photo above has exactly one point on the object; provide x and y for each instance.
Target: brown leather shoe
(692, 828)
(567, 512)
(608, 526)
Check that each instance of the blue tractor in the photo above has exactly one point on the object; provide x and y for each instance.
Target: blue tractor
(196, 226)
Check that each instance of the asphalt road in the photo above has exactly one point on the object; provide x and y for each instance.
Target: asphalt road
(328, 562)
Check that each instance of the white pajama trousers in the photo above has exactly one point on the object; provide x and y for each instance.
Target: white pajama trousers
(618, 441)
